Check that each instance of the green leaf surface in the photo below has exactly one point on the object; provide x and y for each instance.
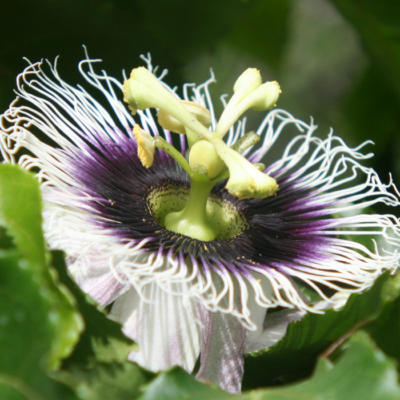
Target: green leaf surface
(362, 372)
(20, 212)
(294, 356)
(38, 320)
(102, 338)
(100, 381)
(386, 330)
(98, 368)
(176, 384)
(27, 331)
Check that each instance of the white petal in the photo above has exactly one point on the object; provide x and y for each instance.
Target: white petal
(270, 328)
(92, 273)
(338, 300)
(165, 329)
(276, 323)
(87, 260)
(274, 329)
(258, 312)
(223, 341)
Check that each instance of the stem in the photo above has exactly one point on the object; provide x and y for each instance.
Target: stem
(193, 221)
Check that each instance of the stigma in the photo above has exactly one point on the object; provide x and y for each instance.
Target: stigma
(206, 148)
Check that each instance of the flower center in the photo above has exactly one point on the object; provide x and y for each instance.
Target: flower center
(223, 214)
(210, 159)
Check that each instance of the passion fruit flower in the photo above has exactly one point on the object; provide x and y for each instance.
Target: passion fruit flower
(193, 245)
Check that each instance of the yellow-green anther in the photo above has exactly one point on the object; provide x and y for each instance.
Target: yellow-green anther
(140, 97)
(245, 180)
(170, 123)
(204, 153)
(143, 90)
(145, 145)
(262, 98)
(249, 139)
(249, 81)
(162, 144)
(147, 78)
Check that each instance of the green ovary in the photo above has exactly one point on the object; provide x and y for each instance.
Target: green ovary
(195, 213)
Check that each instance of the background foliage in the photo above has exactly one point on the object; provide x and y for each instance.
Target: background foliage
(337, 60)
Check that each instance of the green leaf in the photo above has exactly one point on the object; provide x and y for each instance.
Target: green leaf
(362, 372)
(6, 242)
(378, 25)
(100, 381)
(102, 338)
(294, 356)
(39, 319)
(20, 212)
(98, 368)
(386, 330)
(39, 323)
(176, 384)
(27, 332)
